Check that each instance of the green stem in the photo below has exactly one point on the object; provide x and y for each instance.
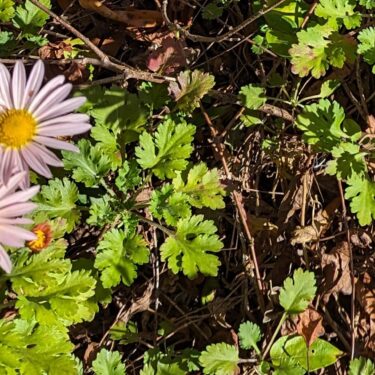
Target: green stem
(157, 225)
(273, 338)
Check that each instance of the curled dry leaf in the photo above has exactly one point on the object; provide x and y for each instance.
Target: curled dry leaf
(336, 271)
(168, 57)
(133, 18)
(309, 325)
(322, 221)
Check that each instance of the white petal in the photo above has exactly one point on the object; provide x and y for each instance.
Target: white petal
(5, 262)
(12, 184)
(54, 98)
(5, 87)
(62, 108)
(45, 91)
(17, 221)
(18, 84)
(15, 236)
(48, 156)
(17, 209)
(73, 117)
(35, 162)
(64, 129)
(34, 83)
(55, 143)
(20, 196)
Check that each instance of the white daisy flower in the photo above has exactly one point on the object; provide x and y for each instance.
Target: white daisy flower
(13, 205)
(31, 119)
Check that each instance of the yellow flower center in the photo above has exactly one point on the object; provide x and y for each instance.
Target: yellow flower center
(43, 234)
(17, 128)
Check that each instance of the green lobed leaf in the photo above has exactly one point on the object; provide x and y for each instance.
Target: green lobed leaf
(320, 354)
(58, 200)
(297, 292)
(361, 366)
(89, 165)
(7, 10)
(190, 88)
(189, 249)
(29, 18)
(339, 12)
(249, 334)
(119, 253)
(129, 176)
(366, 47)
(166, 204)
(166, 152)
(361, 193)
(253, 96)
(202, 187)
(219, 359)
(27, 348)
(108, 363)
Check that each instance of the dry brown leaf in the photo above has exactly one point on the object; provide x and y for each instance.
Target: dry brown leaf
(365, 294)
(336, 271)
(133, 18)
(309, 325)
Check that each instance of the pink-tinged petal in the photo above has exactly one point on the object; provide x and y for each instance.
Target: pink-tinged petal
(62, 108)
(12, 184)
(5, 262)
(46, 90)
(64, 129)
(71, 118)
(54, 98)
(19, 196)
(18, 84)
(17, 209)
(34, 83)
(35, 162)
(5, 98)
(5, 165)
(15, 236)
(55, 143)
(47, 155)
(18, 221)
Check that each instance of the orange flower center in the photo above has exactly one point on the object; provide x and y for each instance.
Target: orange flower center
(44, 235)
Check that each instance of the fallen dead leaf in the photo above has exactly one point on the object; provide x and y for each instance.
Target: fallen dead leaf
(336, 271)
(309, 325)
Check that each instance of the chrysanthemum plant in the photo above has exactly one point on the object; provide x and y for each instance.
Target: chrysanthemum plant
(130, 182)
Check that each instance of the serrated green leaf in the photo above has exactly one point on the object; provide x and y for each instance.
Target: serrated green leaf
(320, 354)
(324, 125)
(202, 187)
(368, 4)
(318, 48)
(29, 18)
(249, 334)
(361, 366)
(348, 161)
(129, 176)
(108, 363)
(219, 359)
(89, 165)
(168, 205)
(125, 333)
(189, 249)
(7, 10)
(253, 96)
(101, 211)
(366, 47)
(167, 151)
(119, 111)
(119, 253)
(361, 193)
(27, 348)
(297, 292)
(58, 200)
(339, 12)
(328, 87)
(154, 95)
(7, 43)
(190, 88)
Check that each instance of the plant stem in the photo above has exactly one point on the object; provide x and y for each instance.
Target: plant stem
(282, 320)
(157, 225)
